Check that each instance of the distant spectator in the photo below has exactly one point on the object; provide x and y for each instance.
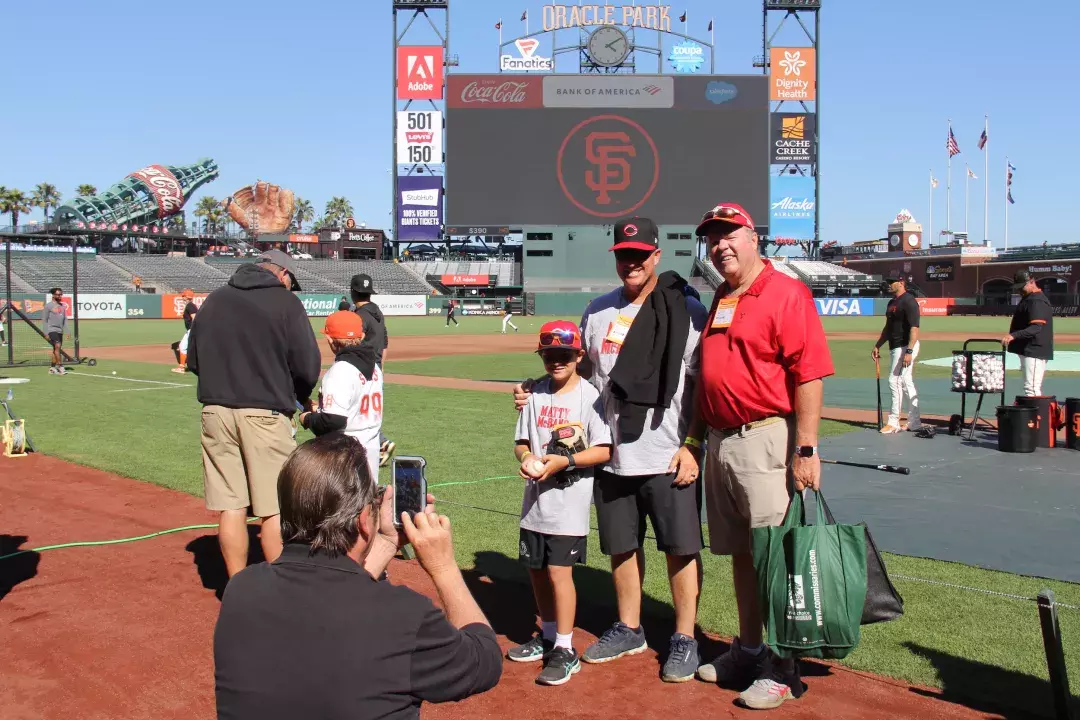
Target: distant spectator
(137, 282)
(344, 304)
(54, 318)
(1031, 333)
(256, 357)
(315, 635)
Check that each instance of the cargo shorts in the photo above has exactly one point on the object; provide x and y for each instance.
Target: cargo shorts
(243, 451)
(748, 482)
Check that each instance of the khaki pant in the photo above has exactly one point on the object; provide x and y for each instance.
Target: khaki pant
(748, 483)
(243, 451)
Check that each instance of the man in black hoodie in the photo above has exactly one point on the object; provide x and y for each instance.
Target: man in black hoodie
(256, 357)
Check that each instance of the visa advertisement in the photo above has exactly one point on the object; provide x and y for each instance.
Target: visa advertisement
(844, 306)
(792, 207)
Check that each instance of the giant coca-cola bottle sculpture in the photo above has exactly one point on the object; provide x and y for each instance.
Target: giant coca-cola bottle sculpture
(145, 197)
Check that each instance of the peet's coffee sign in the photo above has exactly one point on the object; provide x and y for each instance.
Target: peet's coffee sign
(649, 17)
(940, 271)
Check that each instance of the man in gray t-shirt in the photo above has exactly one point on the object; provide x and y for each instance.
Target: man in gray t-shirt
(54, 318)
(651, 474)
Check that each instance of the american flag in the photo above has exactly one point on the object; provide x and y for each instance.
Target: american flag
(951, 145)
(982, 140)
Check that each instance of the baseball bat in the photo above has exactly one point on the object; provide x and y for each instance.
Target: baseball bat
(898, 469)
(877, 368)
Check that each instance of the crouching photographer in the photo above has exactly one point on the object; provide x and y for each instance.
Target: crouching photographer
(315, 634)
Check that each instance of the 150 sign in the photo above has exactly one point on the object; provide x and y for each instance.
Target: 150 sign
(419, 137)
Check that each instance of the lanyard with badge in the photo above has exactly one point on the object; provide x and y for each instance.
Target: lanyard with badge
(619, 329)
(725, 313)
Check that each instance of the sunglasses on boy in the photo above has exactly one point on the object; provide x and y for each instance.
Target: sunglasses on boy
(559, 338)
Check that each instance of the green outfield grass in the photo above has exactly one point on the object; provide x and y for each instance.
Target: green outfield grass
(150, 432)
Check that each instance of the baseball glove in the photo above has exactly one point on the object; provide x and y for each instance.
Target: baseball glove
(566, 440)
(273, 205)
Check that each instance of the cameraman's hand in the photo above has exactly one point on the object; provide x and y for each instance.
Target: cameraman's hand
(430, 537)
(553, 464)
(387, 531)
(521, 394)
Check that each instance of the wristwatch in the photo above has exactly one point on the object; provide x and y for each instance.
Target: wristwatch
(908, 351)
(806, 450)
(571, 464)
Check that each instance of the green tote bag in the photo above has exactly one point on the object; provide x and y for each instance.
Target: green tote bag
(811, 583)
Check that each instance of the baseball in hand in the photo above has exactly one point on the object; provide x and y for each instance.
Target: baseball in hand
(113, 372)
(537, 468)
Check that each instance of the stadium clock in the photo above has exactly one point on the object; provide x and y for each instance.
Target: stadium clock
(608, 46)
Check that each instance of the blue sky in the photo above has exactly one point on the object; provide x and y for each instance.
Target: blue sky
(301, 95)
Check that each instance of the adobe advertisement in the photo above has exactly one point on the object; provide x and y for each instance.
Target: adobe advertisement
(587, 149)
(420, 72)
(792, 73)
(419, 208)
(419, 137)
(792, 207)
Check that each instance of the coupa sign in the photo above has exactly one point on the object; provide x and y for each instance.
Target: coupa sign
(844, 306)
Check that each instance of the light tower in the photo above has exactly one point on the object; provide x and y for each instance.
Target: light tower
(804, 13)
(418, 74)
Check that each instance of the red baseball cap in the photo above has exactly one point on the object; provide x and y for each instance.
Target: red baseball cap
(636, 233)
(343, 325)
(729, 213)
(559, 334)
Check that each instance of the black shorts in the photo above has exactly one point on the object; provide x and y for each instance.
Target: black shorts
(538, 550)
(56, 339)
(623, 502)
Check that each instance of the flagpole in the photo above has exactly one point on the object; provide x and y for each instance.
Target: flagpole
(967, 182)
(1006, 202)
(948, 186)
(500, 35)
(930, 224)
(986, 181)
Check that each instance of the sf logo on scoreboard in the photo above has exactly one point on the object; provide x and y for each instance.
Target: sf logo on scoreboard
(608, 166)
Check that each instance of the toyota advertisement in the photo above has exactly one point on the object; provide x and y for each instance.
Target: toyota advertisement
(419, 208)
(588, 149)
(792, 207)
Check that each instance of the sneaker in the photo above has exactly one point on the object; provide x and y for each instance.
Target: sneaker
(531, 651)
(559, 665)
(736, 667)
(180, 370)
(617, 641)
(385, 451)
(779, 683)
(61, 370)
(890, 430)
(683, 659)
(53, 371)
(913, 426)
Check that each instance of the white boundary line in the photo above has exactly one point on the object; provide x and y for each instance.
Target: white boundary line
(168, 387)
(113, 377)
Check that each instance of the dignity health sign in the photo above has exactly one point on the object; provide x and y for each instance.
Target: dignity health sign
(792, 207)
(419, 208)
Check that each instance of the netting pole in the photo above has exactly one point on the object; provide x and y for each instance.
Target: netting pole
(75, 293)
(7, 303)
(1055, 655)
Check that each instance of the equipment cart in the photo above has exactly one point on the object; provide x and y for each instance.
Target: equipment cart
(981, 372)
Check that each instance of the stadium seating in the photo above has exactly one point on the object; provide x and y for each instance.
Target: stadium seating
(507, 273)
(168, 274)
(45, 270)
(818, 268)
(785, 268)
(333, 276)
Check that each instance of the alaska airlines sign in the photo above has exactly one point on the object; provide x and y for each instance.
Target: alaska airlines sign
(650, 17)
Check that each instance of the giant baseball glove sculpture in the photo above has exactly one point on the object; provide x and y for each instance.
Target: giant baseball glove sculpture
(274, 206)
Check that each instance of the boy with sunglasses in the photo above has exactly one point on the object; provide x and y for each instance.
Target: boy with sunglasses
(558, 494)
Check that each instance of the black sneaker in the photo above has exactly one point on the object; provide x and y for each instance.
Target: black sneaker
(531, 651)
(682, 661)
(617, 641)
(559, 665)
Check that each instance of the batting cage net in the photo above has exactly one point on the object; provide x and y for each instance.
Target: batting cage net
(28, 272)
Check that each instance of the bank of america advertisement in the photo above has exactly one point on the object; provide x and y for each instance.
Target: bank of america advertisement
(419, 203)
(792, 207)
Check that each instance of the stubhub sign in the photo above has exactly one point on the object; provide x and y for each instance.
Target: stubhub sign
(844, 306)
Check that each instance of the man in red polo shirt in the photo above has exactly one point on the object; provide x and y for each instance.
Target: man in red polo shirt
(763, 357)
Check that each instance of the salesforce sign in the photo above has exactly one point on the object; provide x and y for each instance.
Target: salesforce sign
(792, 207)
(687, 57)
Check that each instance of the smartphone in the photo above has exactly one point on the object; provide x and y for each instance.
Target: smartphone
(410, 486)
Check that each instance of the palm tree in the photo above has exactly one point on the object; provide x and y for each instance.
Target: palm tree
(209, 208)
(46, 196)
(304, 213)
(16, 203)
(338, 209)
(86, 190)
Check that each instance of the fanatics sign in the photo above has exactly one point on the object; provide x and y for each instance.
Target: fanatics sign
(420, 72)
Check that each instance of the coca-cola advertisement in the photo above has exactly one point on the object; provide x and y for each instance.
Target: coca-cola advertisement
(495, 91)
(163, 185)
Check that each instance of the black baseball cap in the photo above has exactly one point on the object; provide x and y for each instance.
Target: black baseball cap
(1020, 279)
(362, 284)
(636, 233)
(894, 276)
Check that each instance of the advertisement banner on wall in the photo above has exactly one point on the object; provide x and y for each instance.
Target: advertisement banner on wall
(792, 207)
(172, 306)
(456, 279)
(792, 73)
(935, 306)
(303, 239)
(791, 136)
(143, 306)
(419, 137)
(401, 304)
(92, 306)
(940, 271)
(420, 72)
(319, 305)
(844, 306)
(419, 214)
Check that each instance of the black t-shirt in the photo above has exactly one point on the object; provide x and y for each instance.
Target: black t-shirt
(310, 636)
(189, 314)
(1032, 328)
(375, 334)
(901, 315)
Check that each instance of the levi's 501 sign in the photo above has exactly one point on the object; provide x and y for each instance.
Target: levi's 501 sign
(420, 72)
(419, 137)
